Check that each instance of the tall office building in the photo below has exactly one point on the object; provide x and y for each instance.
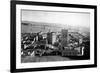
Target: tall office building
(51, 37)
(64, 36)
(54, 36)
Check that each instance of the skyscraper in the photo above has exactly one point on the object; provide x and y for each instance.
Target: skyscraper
(64, 35)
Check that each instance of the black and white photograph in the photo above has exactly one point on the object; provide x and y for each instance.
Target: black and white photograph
(52, 36)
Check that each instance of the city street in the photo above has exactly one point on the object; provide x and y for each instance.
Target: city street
(29, 59)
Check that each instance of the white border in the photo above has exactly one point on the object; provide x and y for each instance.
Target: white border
(20, 65)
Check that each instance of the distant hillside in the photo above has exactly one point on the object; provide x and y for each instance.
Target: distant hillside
(28, 26)
(34, 27)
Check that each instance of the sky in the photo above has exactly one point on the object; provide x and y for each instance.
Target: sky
(69, 18)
